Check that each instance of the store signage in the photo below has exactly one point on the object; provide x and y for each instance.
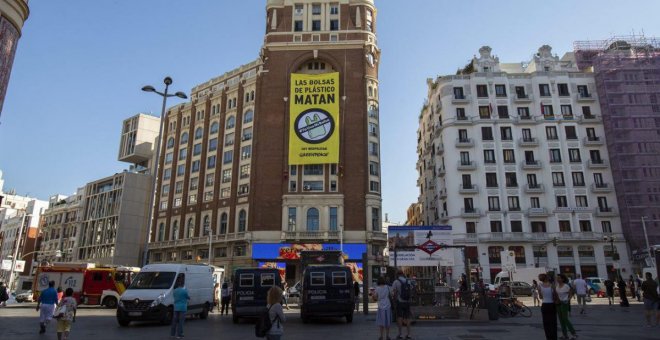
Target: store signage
(420, 245)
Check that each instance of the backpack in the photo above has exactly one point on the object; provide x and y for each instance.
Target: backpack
(405, 293)
(264, 323)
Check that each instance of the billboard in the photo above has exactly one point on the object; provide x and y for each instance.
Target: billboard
(314, 119)
(420, 245)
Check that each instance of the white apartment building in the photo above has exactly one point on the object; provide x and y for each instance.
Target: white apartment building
(513, 156)
(60, 224)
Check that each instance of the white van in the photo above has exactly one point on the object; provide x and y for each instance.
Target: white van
(149, 297)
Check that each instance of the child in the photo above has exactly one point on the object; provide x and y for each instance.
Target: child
(65, 319)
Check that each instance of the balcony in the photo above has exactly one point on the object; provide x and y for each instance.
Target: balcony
(592, 141)
(537, 212)
(460, 99)
(585, 97)
(524, 120)
(534, 188)
(589, 119)
(606, 212)
(464, 142)
(499, 237)
(463, 120)
(523, 98)
(539, 236)
(532, 165)
(467, 166)
(203, 240)
(565, 210)
(310, 235)
(376, 236)
(601, 188)
(465, 238)
(578, 236)
(470, 213)
(528, 142)
(597, 164)
(468, 190)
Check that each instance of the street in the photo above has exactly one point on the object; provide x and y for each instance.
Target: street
(20, 321)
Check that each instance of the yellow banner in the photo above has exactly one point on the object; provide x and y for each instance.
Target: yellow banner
(314, 119)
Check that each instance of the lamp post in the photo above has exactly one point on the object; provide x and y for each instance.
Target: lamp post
(615, 254)
(155, 164)
(646, 238)
(18, 244)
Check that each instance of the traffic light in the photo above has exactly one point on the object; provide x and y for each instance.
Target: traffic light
(554, 241)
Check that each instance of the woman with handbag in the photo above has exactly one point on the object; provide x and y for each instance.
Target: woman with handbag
(564, 293)
(382, 295)
(548, 308)
(65, 314)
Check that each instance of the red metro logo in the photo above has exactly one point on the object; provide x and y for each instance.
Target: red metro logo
(429, 247)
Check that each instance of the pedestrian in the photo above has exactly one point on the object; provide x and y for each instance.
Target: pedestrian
(60, 294)
(548, 307)
(356, 289)
(181, 298)
(225, 297)
(609, 290)
(382, 295)
(275, 313)
(4, 295)
(285, 293)
(638, 285)
(651, 300)
(64, 320)
(631, 286)
(46, 306)
(581, 290)
(564, 293)
(403, 294)
(535, 293)
(621, 285)
(216, 293)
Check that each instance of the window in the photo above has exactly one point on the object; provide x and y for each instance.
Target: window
(223, 223)
(494, 254)
(551, 133)
(531, 181)
(210, 180)
(206, 225)
(231, 122)
(167, 174)
(246, 152)
(535, 202)
(298, 26)
(547, 111)
(496, 226)
(170, 142)
(316, 25)
(314, 169)
(239, 251)
(373, 169)
(332, 223)
(506, 134)
(246, 280)
(514, 203)
(248, 116)
(165, 190)
(374, 186)
(226, 176)
(500, 90)
(493, 203)
(190, 232)
(570, 132)
(214, 127)
(312, 219)
(581, 201)
(511, 180)
(225, 193)
(373, 149)
(574, 155)
(468, 205)
(199, 132)
(595, 156)
(267, 279)
(213, 144)
(470, 227)
(316, 9)
(484, 112)
(586, 112)
(184, 138)
(598, 180)
(578, 179)
(523, 112)
(555, 156)
(227, 157)
(193, 183)
(292, 215)
(520, 92)
(558, 179)
(503, 112)
(247, 134)
(183, 153)
(465, 158)
(195, 166)
(334, 9)
(175, 230)
(486, 133)
(538, 227)
(566, 111)
(168, 158)
(178, 187)
(585, 225)
(245, 171)
(564, 226)
(491, 180)
(529, 158)
(562, 202)
(339, 278)
(509, 156)
(516, 226)
(317, 278)
(375, 219)
(242, 219)
(607, 226)
(463, 136)
(373, 129)
(334, 25)
(562, 89)
(544, 90)
(197, 149)
(489, 156)
(482, 91)
(229, 139)
(583, 91)
(602, 204)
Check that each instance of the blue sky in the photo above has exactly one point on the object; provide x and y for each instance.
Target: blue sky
(80, 65)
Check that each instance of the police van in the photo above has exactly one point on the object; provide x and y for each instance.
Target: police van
(327, 291)
(250, 290)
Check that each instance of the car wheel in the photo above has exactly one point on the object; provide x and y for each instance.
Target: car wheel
(205, 312)
(110, 302)
(123, 322)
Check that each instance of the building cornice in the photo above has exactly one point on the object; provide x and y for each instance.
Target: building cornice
(16, 11)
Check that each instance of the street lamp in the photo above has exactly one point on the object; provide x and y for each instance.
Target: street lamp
(18, 244)
(646, 238)
(167, 81)
(615, 254)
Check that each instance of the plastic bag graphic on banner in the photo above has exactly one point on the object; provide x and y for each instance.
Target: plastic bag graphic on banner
(314, 119)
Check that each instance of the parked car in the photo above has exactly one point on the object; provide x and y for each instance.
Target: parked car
(595, 284)
(24, 297)
(294, 291)
(521, 288)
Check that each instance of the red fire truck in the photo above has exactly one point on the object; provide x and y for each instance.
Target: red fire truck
(91, 284)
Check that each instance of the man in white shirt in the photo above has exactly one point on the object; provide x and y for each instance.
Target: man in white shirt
(581, 290)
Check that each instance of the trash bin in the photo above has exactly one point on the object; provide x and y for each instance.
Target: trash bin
(492, 304)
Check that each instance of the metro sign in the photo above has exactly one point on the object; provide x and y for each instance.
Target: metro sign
(429, 247)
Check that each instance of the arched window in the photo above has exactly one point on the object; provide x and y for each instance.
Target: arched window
(231, 122)
(242, 216)
(247, 97)
(249, 115)
(312, 219)
(207, 224)
(170, 142)
(191, 228)
(252, 95)
(370, 92)
(494, 254)
(223, 223)
(175, 230)
(233, 102)
(161, 232)
(198, 133)
(184, 138)
(214, 127)
(519, 253)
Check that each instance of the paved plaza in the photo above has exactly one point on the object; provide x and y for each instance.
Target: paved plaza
(19, 321)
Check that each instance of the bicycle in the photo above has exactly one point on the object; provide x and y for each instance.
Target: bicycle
(510, 307)
(474, 305)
